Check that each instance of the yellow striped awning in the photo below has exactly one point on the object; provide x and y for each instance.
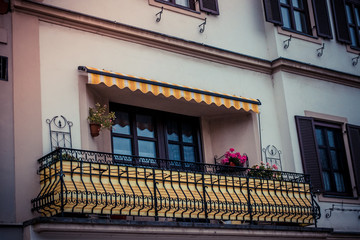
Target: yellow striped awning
(97, 76)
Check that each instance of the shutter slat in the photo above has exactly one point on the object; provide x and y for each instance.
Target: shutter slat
(322, 20)
(309, 153)
(354, 142)
(209, 6)
(340, 20)
(272, 11)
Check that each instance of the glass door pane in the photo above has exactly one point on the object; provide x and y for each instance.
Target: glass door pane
(144, 126)
(122, 123)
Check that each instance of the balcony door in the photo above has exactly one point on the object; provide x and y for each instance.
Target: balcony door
(148, 135)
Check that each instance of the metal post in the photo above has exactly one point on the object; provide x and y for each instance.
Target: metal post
(62, 183)
(155, 198)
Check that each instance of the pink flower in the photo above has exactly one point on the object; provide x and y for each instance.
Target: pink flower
(274, 167)
(257, 167)
(225, 161)
(231, 149)
(268, 164)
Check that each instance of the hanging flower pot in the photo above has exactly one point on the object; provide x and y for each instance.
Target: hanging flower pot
(95, 129)
(99, 119)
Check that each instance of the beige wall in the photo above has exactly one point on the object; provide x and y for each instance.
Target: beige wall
(7, 179)
(27, 111)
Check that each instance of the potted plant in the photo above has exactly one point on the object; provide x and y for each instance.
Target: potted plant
(232, 162)
(232, 158)
(99, 119)
(264, 171)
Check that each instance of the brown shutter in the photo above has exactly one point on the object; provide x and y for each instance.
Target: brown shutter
(272, 11)
(209, 6)
(321, 13)
(353, 133)
(340, 20)
(309, 153)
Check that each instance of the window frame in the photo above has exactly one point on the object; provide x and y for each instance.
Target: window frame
(160, 131)
(4, 68)
(192, 6)
(343, 164)
(292, 10)
(355, 24)
(318, 20)
(310, 157)
(201, 10)
(340, 19)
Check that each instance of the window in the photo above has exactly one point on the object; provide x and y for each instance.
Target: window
(207, 6)
(181, 3)
(324, 155)
(330, 146)
(3, 68)
(153, 134)
(294, 15)
(347, 21)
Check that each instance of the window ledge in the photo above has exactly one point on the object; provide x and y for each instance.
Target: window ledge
(338, 199)
(193, 13)
(298, 35)
(353, 50)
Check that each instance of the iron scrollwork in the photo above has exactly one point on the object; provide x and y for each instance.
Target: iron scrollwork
(60, 132)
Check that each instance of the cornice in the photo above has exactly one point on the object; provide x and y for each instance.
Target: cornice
(311, 71)
(132, 34)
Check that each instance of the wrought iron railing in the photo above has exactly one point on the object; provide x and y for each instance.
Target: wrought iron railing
(86, 182)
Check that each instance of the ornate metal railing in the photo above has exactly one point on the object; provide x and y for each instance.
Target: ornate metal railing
(86, 182)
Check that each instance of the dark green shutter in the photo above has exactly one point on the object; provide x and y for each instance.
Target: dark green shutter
(309, 153)
(353, 133)
(209, 6)
(340, 20)
(322, 20)
(272, 11)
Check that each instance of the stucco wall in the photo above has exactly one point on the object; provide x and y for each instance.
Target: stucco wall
(305, 94)
(226, 30)
(59, 68)
(7, 179)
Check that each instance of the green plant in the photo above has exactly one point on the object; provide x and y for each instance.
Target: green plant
(265, 171)
(99, 115)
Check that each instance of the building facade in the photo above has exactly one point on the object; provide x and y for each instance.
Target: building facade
(187, 80)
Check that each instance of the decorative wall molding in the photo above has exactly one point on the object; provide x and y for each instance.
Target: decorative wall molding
(152, 39)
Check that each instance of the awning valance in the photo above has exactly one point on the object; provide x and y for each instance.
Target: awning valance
(97, 76)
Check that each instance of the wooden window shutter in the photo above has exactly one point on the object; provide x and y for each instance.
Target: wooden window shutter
(308, 149)
(322, 20)
(353, 133)
(340, 20)
(209, 6)
(272, 11)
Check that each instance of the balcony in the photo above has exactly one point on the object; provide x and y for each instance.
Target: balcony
(83, 183)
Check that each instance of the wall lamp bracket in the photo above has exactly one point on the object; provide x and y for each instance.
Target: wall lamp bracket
(202, 26)
(287, 42)
(355, 60)
(320, 51)
(158, 15)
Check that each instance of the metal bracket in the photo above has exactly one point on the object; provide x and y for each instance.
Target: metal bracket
(202, 26)
(339, 208)
(355, 60)
(320, 51)
(158, 15)
(287, 42)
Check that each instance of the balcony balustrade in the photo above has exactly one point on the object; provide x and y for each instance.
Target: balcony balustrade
(86, 182)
